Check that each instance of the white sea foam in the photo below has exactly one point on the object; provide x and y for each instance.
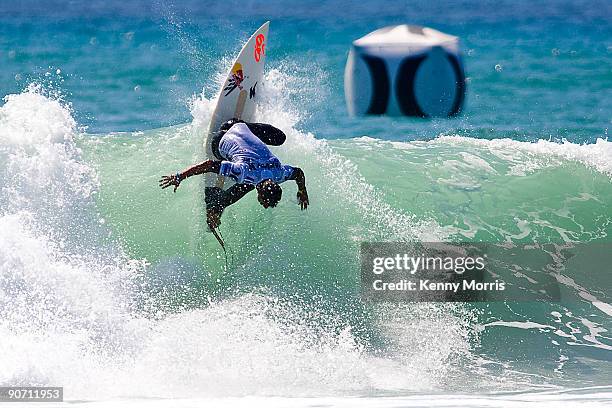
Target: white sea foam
(597, 155)
(524, 157)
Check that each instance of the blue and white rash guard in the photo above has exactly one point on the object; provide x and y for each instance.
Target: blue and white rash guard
(248, 159)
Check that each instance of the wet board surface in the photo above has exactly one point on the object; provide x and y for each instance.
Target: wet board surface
(238, 95)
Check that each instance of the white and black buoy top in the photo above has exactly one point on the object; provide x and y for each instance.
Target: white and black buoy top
(405, 37)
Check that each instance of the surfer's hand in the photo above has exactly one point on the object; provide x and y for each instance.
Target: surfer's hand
(302, 197)
(167, 181)
(213, 218)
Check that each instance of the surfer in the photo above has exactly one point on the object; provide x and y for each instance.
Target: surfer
(243, 155)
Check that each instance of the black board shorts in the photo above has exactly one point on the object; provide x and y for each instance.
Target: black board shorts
(264, 132)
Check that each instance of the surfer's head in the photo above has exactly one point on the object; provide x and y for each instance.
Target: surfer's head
(269, 193)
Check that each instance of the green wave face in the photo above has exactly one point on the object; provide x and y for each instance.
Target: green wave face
(450, 188)
(82, 212)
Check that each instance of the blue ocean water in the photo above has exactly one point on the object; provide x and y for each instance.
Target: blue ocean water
(116, 291)
(135, 65)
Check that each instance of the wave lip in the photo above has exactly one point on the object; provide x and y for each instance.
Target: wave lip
(596, 155)
(30, 118)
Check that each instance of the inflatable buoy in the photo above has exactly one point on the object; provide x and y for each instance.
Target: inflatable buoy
(405, 70)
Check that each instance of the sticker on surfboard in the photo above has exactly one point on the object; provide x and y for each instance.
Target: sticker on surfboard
(235, 79)
(238, 95)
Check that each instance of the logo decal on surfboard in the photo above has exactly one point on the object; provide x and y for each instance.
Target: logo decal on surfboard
(236, 79)
(260, 47)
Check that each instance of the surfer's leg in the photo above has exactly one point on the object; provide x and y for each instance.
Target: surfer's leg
(217, 199)
(267, 133)
(216, 140)
(214, 144)
(214, 197)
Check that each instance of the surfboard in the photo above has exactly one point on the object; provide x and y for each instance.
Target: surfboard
(238, 97)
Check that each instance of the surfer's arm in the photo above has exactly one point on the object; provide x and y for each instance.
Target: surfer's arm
(300, 180)
(208, 166)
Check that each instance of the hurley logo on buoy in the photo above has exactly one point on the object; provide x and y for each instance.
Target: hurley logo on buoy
(260, 47)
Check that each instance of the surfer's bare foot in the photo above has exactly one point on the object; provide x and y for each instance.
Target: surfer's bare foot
(213, 218)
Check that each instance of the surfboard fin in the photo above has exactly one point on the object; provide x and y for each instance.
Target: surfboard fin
(222, 243)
